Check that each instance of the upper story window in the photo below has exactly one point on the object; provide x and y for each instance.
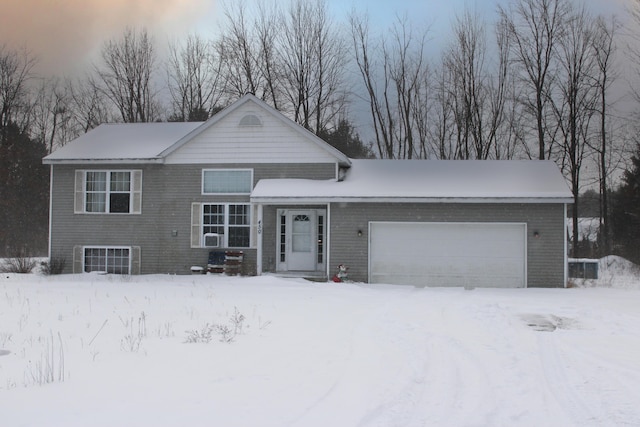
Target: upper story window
(227, 181)
(108, 191)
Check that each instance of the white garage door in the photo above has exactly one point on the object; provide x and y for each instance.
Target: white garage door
(448, 254)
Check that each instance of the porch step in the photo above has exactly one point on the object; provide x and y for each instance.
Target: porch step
(312, 276)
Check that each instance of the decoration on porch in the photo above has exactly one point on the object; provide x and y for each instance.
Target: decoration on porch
(341, 275)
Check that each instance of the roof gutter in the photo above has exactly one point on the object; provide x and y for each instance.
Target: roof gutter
(475, 200)
(129, 161)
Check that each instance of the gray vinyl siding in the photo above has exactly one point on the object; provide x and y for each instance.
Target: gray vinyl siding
(163, 229)
(545, 254)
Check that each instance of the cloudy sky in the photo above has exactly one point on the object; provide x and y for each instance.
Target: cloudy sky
(66, 35)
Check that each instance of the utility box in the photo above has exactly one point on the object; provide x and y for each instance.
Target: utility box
(583, 268)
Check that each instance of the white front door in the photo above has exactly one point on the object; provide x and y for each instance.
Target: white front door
(301, 233)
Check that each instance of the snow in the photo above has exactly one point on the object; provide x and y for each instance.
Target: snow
(123, 141)
(390, 180)
(316, 354)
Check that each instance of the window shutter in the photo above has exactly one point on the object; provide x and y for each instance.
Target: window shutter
(135, 260)
(78, 261)
(78, 204)
(196, 217)
(137, 191)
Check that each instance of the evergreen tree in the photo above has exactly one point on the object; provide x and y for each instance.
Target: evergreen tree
(24, 194)
(345, 139)
(626, 212)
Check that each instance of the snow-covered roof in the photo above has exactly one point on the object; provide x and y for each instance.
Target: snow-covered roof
(123, 142)
(427, 180)
(153, 142)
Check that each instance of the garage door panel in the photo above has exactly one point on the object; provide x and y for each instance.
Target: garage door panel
(448, 254)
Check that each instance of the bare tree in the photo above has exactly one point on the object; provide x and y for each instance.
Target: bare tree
(578, 98)
(313, 55)
(16, 71)
(194, 79)
(238, 51)
(88, 105)
(267, 29)
(479, 90)
(534, 27)
(51, 115)
(394, 72)
(604, 46)
(126, 76)
(443, 131)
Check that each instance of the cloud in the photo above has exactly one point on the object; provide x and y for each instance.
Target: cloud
(65, 34)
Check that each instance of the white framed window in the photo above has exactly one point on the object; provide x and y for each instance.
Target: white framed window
(227, 181)
(113, 260)
(108, 191)
(230, 222)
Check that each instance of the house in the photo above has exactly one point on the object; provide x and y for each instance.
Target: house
(158, 197)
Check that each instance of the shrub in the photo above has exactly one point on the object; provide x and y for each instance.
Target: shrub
(54, 265)
(19, 264)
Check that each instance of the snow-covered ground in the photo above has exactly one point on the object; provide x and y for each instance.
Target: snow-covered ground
(90, 350)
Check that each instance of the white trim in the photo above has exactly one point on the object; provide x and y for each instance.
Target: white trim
(565, 254)
(327, 234)
(132, 192)
(203, 193)
(226, 225)
(260, 231)
(129, 248)
(338, 199)
(51, 210)
(316, 212)
(132, 161)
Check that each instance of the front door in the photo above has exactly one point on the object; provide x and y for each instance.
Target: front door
(301, 233)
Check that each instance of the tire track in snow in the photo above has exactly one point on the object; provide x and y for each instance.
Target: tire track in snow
(591, 397)
(441, 374)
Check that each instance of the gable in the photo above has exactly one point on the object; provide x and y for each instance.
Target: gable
(249, 131)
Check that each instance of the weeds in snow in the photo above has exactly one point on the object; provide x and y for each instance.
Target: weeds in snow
(131, 341)
(50, 368)
(224, 332)
(5, 337)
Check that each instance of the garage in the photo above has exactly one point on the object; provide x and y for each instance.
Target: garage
(448, 254)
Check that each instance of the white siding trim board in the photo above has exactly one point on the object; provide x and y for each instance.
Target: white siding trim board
(472, 200)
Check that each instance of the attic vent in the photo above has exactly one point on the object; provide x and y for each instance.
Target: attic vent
(250, 120)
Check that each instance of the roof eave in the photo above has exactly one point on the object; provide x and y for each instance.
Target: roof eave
(349, 199)
(153, 160)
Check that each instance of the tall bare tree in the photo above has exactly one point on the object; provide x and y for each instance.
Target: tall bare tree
(16, 72)
(88, 104)
(51, 115)
(239, 53)
(313, 55)
(194, 79)
(577, 102)
(604, 46)
(125, 75)
(534, 27)
(394, 73)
